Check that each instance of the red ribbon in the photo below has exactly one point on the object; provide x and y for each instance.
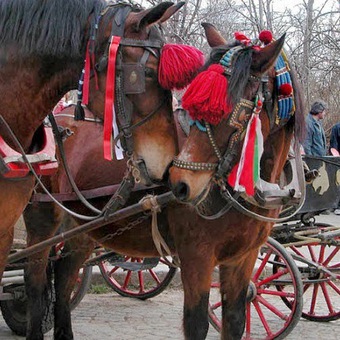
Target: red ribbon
(109, 97)
(86, 85)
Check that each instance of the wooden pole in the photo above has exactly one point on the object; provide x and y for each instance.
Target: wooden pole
(131, 210)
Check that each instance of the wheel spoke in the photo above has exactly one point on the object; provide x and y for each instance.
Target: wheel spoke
(154, 276)
(334, 286)
(127, 279)
(272, 277)
(280, 293)
(311, 252)
(262, 317)
(248, 322)
(314, 297)
(262, 266)
(271, 307)
(327, 298)
(141, 281)
(330, 258)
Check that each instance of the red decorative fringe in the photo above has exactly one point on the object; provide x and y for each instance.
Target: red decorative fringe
(206, 97)
(179, 64)
(242, 38)
(247, 171)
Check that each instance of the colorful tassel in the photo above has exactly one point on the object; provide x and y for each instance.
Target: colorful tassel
(242, 38)
(179, 64)
(206, 97)
(245, 175)
(109, 113)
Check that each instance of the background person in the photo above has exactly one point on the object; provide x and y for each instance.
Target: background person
(315, 142)
(334, 143)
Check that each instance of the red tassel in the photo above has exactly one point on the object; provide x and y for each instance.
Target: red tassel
(86, 85)
(206, 97)
(242, 38)
(179, 64)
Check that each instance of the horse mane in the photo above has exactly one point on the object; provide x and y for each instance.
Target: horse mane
(53, 27)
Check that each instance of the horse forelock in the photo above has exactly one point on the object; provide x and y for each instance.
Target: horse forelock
(240, 69)
(47, 28)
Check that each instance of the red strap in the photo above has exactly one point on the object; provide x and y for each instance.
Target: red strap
(86, 85)
(109, 97)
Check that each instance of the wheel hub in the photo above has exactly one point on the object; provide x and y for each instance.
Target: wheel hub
(251, 292)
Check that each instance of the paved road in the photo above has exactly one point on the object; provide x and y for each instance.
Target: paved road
(110, 316)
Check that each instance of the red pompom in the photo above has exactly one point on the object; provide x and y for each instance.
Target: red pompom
(266, 37)
(178, 65)
(285, 89)
(206, 97)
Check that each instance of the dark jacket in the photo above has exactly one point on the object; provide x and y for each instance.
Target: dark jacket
(315, 142)
(335, 137)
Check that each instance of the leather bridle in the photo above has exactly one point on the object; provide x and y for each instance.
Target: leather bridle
(273, 196)
(130, 77)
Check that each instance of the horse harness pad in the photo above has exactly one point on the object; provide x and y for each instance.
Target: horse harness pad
(14, 164)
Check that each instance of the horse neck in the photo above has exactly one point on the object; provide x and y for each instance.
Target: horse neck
(29, 92)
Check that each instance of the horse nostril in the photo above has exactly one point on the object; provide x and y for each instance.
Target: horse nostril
(181, 191)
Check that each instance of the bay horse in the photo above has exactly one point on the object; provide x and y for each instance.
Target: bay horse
(143, 108)
(239, 99)
(43, 48)
(42, 53)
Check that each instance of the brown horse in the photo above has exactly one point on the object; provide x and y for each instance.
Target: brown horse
(42, 53)
(147, 131)
(203, 172)
(43, 48)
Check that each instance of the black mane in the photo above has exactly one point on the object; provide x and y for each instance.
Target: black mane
(46, 27)
(240, 72)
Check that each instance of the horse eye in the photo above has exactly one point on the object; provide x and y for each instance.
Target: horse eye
(150, 73)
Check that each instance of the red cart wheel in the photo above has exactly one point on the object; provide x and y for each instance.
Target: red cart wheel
(142, 284)
(321, 288)
(81, 287)
(267, 316)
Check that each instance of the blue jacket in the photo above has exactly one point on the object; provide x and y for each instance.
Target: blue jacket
(315, 143)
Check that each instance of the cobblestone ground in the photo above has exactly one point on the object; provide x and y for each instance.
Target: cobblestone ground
(109, 316)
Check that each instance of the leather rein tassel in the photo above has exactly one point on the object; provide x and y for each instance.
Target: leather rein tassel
(109, 97)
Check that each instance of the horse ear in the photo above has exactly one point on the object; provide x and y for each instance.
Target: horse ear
(265, 58)
(152, 15)
(214, 37)
(171, 11)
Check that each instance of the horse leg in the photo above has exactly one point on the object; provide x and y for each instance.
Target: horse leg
(196, 278)
(234, 281)
(41, 221)
(66, 270)
(14, 197)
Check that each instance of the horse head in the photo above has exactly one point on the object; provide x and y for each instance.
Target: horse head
(245, 95)
(131, 84)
